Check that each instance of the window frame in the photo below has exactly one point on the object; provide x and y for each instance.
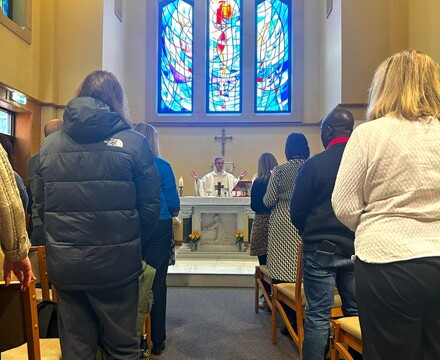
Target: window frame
(248, 116)
(23, 32)
(161, 5)
(240, 108)
(12, 116)
(291, 49)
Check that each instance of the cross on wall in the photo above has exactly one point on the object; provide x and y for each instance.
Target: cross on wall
(223, 138)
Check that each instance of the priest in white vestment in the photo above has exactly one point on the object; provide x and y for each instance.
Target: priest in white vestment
(206, 186)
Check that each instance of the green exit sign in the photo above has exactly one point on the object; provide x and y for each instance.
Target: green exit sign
(17, 97)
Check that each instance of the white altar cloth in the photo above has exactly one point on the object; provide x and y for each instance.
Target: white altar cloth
(212, 200)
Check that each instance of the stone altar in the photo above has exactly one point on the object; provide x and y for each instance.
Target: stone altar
(217, 219)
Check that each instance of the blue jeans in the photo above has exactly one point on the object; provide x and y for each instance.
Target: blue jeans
(321, 273)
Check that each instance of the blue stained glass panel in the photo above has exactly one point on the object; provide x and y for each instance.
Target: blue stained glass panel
(273, 56)
(5, 7)
(224, 56)
(176, 58)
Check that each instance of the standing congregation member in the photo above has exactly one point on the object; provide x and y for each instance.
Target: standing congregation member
(260, 225)
(327, 243)
(206, 186)
(37, 235)
(8, 147)
(13, 235)
(157, 249)
(388, 192)
(97, 193)
(283, 238)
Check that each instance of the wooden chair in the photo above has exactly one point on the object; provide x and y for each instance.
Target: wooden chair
(37, 256)
(262, 274)
(19, 337)
(346, 332)
(147, 330)
(292, 295)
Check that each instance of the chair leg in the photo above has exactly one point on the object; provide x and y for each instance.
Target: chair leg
(257, 292)
(334, 353)
(147, 330)
(274, 316)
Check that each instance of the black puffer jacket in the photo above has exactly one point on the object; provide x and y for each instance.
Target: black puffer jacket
(96, 188)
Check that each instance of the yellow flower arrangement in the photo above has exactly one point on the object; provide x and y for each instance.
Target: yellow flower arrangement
(239, 237)
(194, 237)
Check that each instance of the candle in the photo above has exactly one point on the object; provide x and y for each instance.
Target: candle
(181, 182)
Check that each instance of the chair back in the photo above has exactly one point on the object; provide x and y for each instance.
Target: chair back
(37, 256)
(18, 319)
(299, 281)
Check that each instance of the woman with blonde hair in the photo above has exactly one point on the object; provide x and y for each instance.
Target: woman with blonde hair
(260, 224)
(387, 191)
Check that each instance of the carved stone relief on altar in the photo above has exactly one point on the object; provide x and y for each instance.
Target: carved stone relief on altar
(218, 228)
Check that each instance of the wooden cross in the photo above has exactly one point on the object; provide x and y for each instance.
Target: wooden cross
(223, 138)
(219, 188)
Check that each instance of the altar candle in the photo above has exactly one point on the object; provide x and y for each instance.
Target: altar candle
(181, 182)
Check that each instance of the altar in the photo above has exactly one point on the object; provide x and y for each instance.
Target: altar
(216, 219)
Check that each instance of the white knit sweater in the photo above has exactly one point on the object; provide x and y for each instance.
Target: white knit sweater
(388, 189)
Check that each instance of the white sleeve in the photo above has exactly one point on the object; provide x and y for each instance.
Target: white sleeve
(202, 184)
(197, 185)
(233, 180)
(348, 194)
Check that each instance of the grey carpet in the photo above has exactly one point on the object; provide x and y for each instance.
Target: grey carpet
(220, 323)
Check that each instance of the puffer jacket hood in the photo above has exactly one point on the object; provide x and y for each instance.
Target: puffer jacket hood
(88, 120)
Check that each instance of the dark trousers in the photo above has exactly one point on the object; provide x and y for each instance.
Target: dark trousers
(99, 317)
(399, 309)
(157, 254)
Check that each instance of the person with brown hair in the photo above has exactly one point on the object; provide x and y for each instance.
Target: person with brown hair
(387, 191)
(156, 251)
(97, 192)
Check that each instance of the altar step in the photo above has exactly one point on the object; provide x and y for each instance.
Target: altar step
(213, 270)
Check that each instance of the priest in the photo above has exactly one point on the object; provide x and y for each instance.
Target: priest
(217, 182)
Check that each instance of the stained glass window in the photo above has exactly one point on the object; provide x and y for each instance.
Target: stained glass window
(5, 7)
(224, 56)
(176, 57)
(272, 69)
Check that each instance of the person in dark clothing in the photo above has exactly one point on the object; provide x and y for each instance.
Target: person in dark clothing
(157, 250)
(37, 233)
(260, 224)
(97, 192)
(327, 244)
(9, 148)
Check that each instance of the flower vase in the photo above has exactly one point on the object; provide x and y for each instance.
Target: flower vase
(194, 245)
(240, 246)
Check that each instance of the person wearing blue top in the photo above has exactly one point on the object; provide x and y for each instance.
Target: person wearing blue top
(156, 251)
